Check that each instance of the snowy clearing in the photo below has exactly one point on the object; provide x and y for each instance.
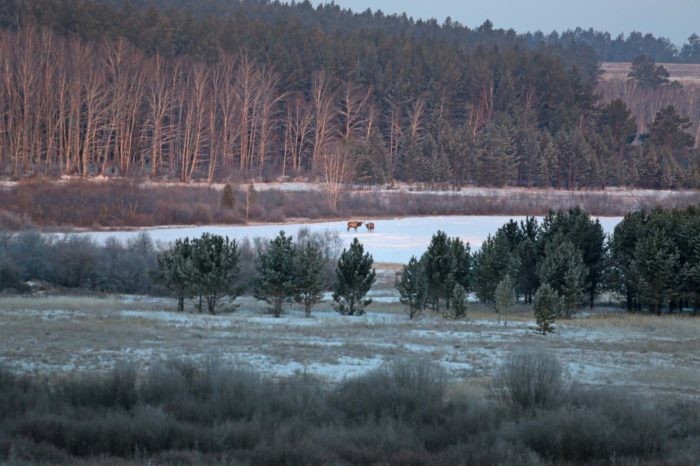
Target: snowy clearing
(393, 241)
(648, 354)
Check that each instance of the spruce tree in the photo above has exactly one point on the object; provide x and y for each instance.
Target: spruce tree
(308, 276)
(412, 286)
(354, 278)
(545, 306)
(275, 282)
(504, 298)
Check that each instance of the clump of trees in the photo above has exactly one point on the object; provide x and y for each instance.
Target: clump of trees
(279, 271)
(206, 268)
(563, 263)
(656, 260)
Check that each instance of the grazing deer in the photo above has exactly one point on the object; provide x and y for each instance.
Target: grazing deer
(369, 226)
(354, 225)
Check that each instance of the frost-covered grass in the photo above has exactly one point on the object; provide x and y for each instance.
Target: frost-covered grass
(65, 334)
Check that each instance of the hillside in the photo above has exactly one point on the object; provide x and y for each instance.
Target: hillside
(271, 91)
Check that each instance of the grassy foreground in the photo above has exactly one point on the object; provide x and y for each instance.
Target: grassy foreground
(179, 412)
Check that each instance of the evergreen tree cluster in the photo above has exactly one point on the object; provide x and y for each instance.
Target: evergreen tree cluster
(563, 263)
(138, 90)
(207, 268)
(567, 252)
(655, 259)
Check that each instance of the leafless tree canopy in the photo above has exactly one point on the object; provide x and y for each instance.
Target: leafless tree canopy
(73, 108)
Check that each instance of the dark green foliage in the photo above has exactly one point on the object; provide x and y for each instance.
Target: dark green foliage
(412, 286)
(668, 130)
(654, 257)
(275, 267)
(309, 266)
(459, 301)
(446, 263)
(354, 278)
(491, 264)
(206, 267)
(215, 267)
(647, 73)
(504, 299)
(437, 266)
(175, 270)
(562, 268)
(586, 234)
(546, 306)
(655, 270)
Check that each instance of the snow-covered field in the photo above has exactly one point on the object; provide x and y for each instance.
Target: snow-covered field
(58, 335)
(394, 240)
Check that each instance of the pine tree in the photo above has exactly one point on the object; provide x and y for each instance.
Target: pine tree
(437, 264)
(461, 262)
(504, 298)
(308, 276)
(175, 270)
(562, 268)
(412, 287)
(275, 283)
(459, 301)
(491, 263)
(354, 278)
(545, 305)
(214, 269)
(655, 269)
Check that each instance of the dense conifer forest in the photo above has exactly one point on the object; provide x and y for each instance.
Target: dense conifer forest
(238, 90)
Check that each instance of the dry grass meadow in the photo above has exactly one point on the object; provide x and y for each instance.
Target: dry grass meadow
(60, 335)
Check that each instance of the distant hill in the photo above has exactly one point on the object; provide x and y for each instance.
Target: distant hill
(205, 90)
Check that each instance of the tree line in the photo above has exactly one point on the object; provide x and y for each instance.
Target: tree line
(561, 264)
(93, 97)
(329, 17)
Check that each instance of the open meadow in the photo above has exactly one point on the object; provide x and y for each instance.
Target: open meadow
(60, 335)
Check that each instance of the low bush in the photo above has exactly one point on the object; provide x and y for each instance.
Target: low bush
(187, 412)
(398, 390)
(530, 379)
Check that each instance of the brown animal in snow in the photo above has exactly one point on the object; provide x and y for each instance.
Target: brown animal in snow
(369, 226)
(354, 225)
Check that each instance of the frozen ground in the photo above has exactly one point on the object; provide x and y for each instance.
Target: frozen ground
(58, 335)
(394, 240)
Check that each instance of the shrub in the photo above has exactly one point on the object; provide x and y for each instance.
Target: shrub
(399, 390)
(529, 379)
(117, 390)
